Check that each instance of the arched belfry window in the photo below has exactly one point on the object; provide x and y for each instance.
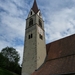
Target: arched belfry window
(40, 23)
(31, 22)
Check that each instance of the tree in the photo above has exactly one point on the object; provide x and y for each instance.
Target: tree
(9, 59)
(11, 54)
(3, 61)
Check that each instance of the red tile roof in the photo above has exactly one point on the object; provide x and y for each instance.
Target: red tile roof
(35, 7)
(64, 65)
(60, 57)
(61, 48)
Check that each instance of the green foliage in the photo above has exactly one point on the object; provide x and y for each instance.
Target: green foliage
(3, 61)
(9, 59)
(11, 54)
(6, 72)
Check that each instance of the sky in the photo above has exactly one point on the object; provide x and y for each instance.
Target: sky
(58, 16)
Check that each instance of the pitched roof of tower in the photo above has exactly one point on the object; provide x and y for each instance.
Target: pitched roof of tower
(35, 7)
(60, 58)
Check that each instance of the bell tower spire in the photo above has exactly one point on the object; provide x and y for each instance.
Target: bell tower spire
(35, 7)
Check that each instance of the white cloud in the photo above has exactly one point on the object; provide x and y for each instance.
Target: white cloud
(59, 17)
(12, 25)
(3, 44)
(61, 24)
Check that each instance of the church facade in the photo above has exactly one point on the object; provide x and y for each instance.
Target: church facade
(56, 58)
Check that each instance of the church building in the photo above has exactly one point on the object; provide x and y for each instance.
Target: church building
(39, 58)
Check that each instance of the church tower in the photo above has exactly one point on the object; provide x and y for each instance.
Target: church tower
(34, 47)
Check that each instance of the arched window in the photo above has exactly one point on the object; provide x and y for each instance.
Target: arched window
(40, 23)
(31, 22)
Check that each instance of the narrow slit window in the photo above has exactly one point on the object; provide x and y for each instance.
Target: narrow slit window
(31, 13)
(31, 35)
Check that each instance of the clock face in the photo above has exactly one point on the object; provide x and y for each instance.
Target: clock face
(40, 30)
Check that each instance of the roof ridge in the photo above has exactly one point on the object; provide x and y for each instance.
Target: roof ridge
(60, 57)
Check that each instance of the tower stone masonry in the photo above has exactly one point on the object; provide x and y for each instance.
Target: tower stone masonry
(34, 47)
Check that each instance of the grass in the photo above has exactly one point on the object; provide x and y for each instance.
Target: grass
(6, 72)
